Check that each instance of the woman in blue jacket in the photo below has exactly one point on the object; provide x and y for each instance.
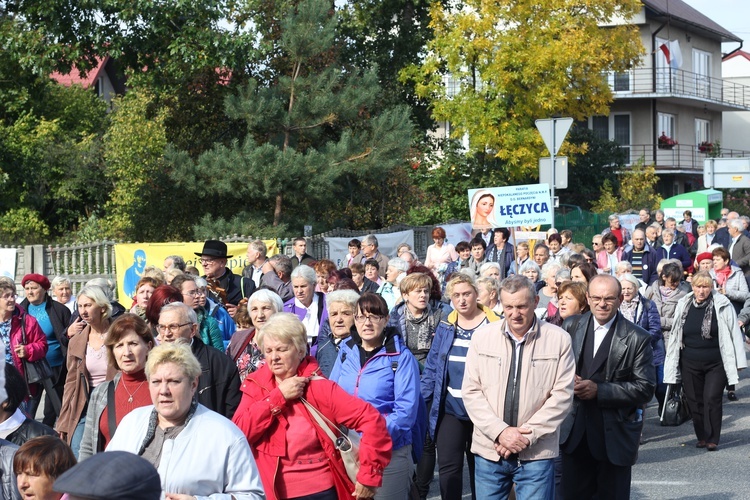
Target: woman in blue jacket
(375, 366)
(643, 312)
(449, 425)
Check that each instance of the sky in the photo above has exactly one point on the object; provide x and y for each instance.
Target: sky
(733, 15)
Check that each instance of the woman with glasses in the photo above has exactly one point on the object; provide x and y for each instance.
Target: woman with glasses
(208, 327)
(449, 425)
(87, 364)
(375, 365)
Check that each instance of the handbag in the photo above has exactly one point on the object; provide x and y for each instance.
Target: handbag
(36, 371)
(675, 410)
(347, 441)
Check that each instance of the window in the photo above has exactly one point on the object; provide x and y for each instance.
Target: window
(666, 126)
(600, 127)
(702, 131)
(615, 127)
(620, 82)
(702, 72)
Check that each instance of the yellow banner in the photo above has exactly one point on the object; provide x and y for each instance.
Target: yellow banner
(132, 258)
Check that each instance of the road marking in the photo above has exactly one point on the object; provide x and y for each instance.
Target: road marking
(665, 483)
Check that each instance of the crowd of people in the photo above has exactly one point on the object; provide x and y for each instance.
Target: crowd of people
(531, 362)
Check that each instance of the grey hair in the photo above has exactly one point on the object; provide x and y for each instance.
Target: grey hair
(60, 280)
(281, 263)
(490, 283)
(106, 285)
(99, 296)
(267, 297)
(632, 279)
(187, 312)
(529, 264)
(613, 217)
(348, 297)
(515, 283)
(370, 239)
(659, 211)
(398, 263)
(670, 219)
(550, 268)
(737, 224)
(307, 273)
(200, 282)
(624, 265)
(259, 246)
(177, 261)
(487, 266)
(7, 284)
(667, 231)
(562, 274)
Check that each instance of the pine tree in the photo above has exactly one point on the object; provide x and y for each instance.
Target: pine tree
(312, 137)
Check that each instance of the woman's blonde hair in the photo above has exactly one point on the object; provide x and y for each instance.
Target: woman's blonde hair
(284, 327)
(458, 279)
(702, 278)
(178, 353)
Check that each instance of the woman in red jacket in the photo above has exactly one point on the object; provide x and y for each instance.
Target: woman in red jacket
(296, 458)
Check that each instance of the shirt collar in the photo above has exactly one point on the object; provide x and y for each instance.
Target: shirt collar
(606, 325)
(525, 335)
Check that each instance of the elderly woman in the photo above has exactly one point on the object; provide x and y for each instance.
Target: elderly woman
(376, 366)
(128, 343)
(243, 348)
(440, 253)
(489, 292)
(643, 312)
(37, 463)
(706, 348)
(672, 250)
(612, 254)
(571, 299)
(389, 290)
(705, 240)
(548, 293)
(296, 458)
(416, 318)
(62, 292)
(144, 289)
(341, 305)
(490, 270)
(197, 452)
(449, 425)
(208, 327)
(531, 270)
(307, 304)
(53, 318)
(15, 324)
(668, 294)
(87, 364)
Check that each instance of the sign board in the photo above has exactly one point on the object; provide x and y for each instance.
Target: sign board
(561, 172)
(526, 205)
(729, 173)
(553, 132)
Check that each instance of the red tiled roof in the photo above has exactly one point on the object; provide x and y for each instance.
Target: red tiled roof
(739, 53)
(74, 78)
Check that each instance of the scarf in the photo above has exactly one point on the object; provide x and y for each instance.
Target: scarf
(666, 291)
(708, 315)
(628, 309)
(153, 423)
(723, 275)
(420, 331)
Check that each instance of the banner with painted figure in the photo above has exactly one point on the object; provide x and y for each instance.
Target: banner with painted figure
(132, 258)
(338, 248)
(8, 262)
(510, 206)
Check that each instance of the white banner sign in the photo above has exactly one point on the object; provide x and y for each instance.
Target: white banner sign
(527, 205)
(338, 248)
(8, 262)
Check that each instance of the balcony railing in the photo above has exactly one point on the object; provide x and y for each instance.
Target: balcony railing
(679, 83)
(679, 157)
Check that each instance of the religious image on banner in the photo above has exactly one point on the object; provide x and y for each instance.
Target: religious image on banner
(510, 206)
(482, 209)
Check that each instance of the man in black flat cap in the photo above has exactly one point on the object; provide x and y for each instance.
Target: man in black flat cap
(220, 278)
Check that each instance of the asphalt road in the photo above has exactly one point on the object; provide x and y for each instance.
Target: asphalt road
(671, 467)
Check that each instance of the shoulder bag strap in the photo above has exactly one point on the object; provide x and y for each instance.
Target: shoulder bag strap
(321, 420)
(111, 415)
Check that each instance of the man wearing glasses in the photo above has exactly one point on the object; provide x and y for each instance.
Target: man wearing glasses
(219, 382)
(370, 251)
(213, 259)
(614, 379)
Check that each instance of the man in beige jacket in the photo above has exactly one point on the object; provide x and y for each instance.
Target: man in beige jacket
(517, 388)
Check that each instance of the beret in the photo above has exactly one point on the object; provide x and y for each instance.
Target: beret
(36, 278)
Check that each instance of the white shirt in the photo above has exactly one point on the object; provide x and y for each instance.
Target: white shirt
(600, 331)
(311, 318)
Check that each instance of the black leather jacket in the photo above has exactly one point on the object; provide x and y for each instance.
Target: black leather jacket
(29, 429)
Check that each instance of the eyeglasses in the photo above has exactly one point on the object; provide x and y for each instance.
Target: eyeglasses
(606, 300)
(173, 328)
(207, 261)
(193, 293)
(595, 243)
(374, 318)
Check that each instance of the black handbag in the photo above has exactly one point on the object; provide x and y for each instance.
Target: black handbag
(37, 371)
(675, 410)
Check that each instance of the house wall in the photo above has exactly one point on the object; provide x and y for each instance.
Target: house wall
(736, 123)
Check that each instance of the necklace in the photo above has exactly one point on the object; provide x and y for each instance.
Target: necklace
(125, 386)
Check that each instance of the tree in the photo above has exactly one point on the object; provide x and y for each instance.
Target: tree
(594, 162)
(312, 136)
(494, 67)
(637, 189)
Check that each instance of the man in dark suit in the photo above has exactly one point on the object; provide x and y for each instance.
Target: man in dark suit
(721, 236)
(614, 379)
(739, 245)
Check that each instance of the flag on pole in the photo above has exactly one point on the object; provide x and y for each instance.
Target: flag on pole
(671, 50)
